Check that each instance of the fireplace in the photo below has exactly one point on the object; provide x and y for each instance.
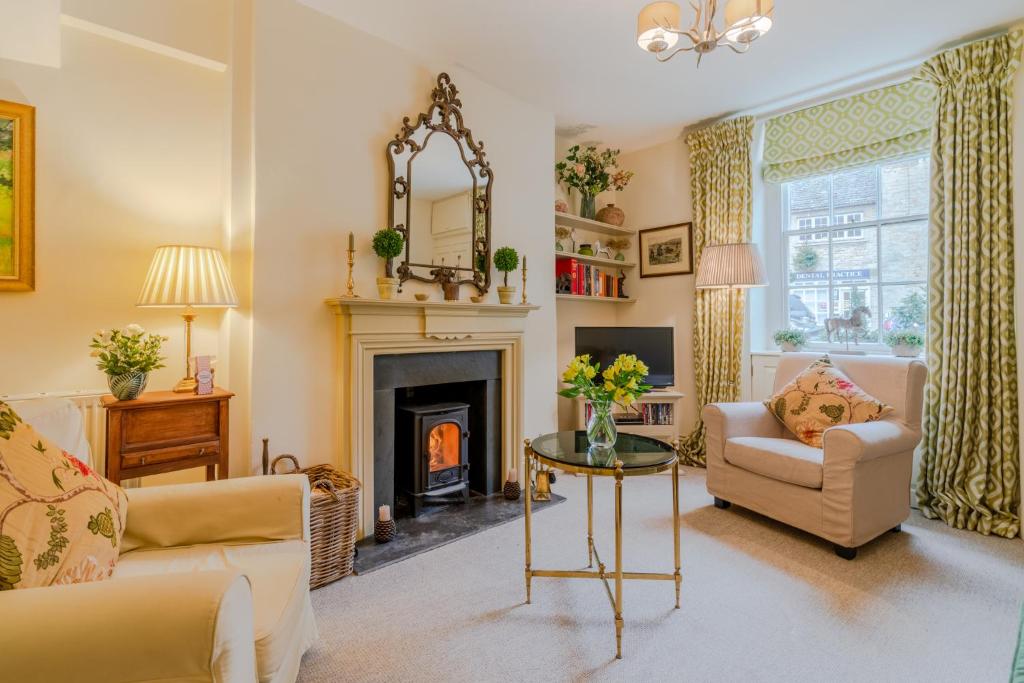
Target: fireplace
(432, 454)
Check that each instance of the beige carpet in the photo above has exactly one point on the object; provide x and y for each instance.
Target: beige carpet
(760, 602)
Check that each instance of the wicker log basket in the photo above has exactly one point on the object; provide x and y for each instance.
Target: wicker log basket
(332, 519)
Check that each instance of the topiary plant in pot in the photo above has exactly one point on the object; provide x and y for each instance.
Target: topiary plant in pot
(506, 259)
(387, 244)
(790, 340)
(905, 343)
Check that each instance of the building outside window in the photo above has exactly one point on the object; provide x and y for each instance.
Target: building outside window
(879, 267)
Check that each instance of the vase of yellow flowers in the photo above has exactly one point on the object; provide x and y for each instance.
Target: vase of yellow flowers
(620, 384)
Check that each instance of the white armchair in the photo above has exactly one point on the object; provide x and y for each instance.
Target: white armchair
(212, 585)
(853, 489)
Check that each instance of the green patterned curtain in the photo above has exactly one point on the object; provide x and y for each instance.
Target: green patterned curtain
(970, 456)
(880, 124)
(720, 183)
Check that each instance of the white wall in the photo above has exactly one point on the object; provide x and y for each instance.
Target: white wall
(327, 100)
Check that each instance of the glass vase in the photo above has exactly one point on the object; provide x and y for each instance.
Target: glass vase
(588, 205)
(601, 431)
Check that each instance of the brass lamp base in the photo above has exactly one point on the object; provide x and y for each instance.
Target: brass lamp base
(186, 385)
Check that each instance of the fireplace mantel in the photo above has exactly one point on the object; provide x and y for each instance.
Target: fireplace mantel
(371, 327)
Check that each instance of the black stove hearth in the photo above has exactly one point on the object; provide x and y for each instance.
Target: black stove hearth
(432, 455)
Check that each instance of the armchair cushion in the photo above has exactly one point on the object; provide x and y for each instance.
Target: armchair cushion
(783, 459)
(820, 397)
(60, 522)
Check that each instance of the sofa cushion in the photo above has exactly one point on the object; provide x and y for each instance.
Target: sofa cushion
(821, 397)
(278, 572)
(787, 460)
(60, 521)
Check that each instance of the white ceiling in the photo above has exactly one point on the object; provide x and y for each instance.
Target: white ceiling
(578, 58)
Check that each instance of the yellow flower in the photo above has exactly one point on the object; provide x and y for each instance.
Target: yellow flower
(609, 372)
(608, 386)
(589, 371)
(632, 384)
(628, 363)
(628, 401)
(569, 374)
(620, 395)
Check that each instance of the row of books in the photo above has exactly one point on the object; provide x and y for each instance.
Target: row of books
(573, 277)
(645, 414)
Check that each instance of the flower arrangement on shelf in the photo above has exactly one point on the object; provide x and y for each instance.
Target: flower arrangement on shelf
(905, 343)
(790, 340)
(591, 172)
(619, 244)
(563, 233)
(127, 356)
(388, 244)
(621, 383)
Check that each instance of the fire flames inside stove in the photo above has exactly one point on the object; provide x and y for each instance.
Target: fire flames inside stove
(443, 445)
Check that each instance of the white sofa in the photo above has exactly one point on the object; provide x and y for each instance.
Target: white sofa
(853, 489)
(212, 584)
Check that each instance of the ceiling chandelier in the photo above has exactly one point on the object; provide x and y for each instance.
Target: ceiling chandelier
(658, 28)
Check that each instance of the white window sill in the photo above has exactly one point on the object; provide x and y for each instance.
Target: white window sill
(838, 352)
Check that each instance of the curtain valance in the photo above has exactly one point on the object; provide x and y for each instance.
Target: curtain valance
(859, 129)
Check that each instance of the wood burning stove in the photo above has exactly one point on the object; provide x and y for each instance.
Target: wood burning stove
(432, 454)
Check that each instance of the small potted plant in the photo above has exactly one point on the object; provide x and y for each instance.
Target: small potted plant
(127, 357)
(387, 244)
(506, 259)
(619, 244)
(905, 343)
(790, 340)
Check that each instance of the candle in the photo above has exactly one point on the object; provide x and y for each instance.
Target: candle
(351, 241)
(384, 513)
(513, 475)
(524, 261)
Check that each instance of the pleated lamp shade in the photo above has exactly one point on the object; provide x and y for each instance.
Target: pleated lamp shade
(730, 265)
(183, 275)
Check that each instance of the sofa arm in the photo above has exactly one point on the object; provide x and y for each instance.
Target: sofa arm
(187, 626)
(867, 441)
(246, 510)
(742, 419)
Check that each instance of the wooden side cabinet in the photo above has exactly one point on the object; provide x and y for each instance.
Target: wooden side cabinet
(162, 431)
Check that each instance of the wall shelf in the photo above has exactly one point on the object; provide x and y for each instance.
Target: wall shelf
(570, 221)
(603, 299)
(596, 260)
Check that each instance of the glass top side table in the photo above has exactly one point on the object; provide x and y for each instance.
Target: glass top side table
(633, 455)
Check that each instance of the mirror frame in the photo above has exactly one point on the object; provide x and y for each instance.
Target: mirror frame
(443, 117)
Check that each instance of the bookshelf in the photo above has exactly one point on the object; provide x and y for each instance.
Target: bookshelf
(596, 260)
(665, 403)
(570, 221)
(599, 299)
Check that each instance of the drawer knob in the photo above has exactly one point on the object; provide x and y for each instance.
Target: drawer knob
(143, 460)
(202, 451)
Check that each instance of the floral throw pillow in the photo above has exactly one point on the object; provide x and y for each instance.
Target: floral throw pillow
(60, 522)
(821, 397)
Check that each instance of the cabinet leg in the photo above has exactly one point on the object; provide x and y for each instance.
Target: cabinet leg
(211, 472)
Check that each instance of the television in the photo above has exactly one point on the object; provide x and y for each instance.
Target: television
(653, 345)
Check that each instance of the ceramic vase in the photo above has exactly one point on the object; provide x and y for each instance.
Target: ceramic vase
(506, 294)
(129, 386)
(387, 287)
(601, 430)
(612, 215)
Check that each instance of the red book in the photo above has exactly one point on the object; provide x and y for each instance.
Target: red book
(567, 267)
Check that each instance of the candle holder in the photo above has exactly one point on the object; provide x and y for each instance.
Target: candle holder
(524, 281)
(350, 285)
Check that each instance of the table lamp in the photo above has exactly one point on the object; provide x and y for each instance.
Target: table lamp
(189, 277)
(730, 266)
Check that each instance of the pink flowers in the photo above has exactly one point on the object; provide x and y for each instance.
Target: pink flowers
(77, 464)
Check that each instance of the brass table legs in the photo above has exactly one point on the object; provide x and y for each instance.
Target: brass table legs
(618, 575)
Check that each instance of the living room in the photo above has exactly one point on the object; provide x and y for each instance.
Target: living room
(393, 241)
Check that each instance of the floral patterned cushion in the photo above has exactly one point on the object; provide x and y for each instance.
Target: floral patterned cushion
(821, 397)
(60, 522)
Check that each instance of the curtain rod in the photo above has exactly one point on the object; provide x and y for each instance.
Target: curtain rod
(853, 85)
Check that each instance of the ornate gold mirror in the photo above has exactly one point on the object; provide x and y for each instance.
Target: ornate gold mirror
(440, 197)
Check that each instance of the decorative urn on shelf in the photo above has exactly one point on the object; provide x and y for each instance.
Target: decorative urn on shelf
(387, 244)
(612, 215)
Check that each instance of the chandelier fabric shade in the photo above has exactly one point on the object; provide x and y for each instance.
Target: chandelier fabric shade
(658, 27)
(182, 275)
(650, 26)
(748, 19)
(736, 266)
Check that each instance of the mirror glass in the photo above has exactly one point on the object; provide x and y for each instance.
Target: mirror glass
(440, 205)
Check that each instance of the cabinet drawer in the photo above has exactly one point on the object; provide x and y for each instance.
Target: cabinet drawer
(188, 422)
(165, 455)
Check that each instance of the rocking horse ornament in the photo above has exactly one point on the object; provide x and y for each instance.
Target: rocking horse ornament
(855, 323)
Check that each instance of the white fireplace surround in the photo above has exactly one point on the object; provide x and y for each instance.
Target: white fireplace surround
(371, 327)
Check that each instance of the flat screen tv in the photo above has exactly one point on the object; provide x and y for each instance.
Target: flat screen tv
(652, 345)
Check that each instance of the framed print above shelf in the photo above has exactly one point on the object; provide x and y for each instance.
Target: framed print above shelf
(667, 250)
(17, 197)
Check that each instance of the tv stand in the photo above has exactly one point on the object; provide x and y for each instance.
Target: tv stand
(667, 429)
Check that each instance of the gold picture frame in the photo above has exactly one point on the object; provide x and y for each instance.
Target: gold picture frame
(667, 250)
(17, 197)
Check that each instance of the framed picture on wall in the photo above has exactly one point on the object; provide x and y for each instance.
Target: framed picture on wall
(667, 250)
(17, 196)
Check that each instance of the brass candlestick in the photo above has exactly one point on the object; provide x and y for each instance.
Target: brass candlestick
(524, 279)
(350, 285)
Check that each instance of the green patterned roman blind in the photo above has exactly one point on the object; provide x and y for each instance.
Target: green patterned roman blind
(854, 130)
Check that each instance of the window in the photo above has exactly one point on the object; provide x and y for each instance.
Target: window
(878, 268)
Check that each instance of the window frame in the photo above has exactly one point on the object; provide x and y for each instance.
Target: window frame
(806, 236)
